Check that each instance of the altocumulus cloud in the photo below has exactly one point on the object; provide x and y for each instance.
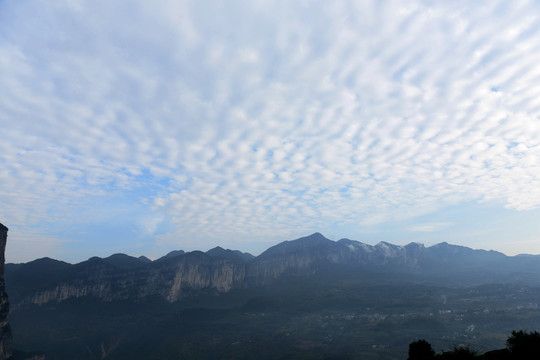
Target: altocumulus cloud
(204, 121)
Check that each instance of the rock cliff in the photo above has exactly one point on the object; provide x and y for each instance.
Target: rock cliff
(179, 275)
(5, 330)
(171, 278)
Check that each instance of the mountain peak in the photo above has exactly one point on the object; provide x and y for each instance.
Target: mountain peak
(415, 245)
(385, 244)
(233, 255)
(172, 254)
(217, 248)
(443, 244)
(315, 237)
(124, 261)
(315, 240)
(218, 251)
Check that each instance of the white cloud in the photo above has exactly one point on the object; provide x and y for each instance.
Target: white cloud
(429, 227)
(243, 120)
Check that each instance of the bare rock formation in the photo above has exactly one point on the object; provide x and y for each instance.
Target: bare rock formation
(6, 339)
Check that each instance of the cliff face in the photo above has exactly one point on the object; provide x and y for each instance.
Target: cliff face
(303, 256)
(171, 279)
(5, 330)
(298, 256)
(180, 275)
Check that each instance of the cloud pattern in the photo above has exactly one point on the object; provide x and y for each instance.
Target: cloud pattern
(272, 119)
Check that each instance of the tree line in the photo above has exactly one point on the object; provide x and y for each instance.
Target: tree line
(520, 345)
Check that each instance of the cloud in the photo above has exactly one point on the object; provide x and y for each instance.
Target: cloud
(429, 227)
(242, 120)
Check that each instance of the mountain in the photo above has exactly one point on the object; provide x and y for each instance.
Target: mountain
(233, 255)
(144, 259)
(123, 278)
(306, 298)
(172, 254)
(179, 274)
(125, 261)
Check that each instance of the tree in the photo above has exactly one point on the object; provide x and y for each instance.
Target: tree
(458, 353)
(524, 345)
(421, 350)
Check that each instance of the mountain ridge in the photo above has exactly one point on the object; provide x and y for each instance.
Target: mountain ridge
(317, 235)
(298, 291)
(182, 274)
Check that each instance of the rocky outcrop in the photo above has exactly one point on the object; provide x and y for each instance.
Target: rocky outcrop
(5, 330)
(297, 256)
(179, 275)
(306, 254)
(171, 278)
(198, 271)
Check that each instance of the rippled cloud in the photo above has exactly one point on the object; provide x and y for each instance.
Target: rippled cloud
(243, 122)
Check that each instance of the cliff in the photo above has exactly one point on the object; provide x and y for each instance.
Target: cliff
(171, 278)
(5, 330)
(180, 275)
(307, 290)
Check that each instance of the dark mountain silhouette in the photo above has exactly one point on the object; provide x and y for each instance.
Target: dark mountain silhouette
(125, 261)
(144, 259)
(172, 254)
(233, 255)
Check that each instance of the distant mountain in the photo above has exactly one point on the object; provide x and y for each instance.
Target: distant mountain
(144, 259)
(179, 274)
(34, 276)
(233, 255)
(172, 254)
(125, 261)
(315, 243)
(123, 307)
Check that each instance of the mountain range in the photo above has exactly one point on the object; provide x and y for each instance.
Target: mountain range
(179, 274)
(309, 298)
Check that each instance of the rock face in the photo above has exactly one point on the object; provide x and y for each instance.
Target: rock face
(171, 278)
(179, 275)
(5, 330)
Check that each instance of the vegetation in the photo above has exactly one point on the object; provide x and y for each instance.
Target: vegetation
(521, 345)
(524, 345)
(421, 350)
(333, 313)
(296, 318)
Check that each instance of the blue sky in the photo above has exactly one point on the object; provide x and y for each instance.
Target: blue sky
(147, 126)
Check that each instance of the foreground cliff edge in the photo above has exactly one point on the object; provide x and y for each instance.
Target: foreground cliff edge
(6, 339)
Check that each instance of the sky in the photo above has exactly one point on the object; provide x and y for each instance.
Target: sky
(146, 126)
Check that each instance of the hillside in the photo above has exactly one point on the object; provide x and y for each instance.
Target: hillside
(307, 297)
